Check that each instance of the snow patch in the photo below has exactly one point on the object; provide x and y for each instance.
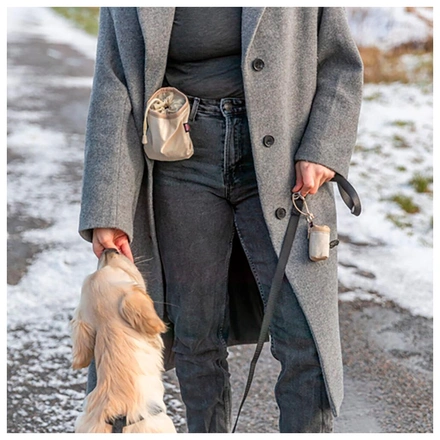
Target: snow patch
(388, 27)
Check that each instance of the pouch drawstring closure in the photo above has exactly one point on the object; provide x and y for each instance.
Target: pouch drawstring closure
(168, 105)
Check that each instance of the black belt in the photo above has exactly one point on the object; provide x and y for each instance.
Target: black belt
(351, 199)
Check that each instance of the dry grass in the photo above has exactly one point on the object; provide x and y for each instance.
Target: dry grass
(409, 62)
(379, 66)
(389, 66)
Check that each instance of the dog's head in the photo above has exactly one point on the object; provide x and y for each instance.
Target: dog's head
(114, 295)
(118, 266)
(126, 282)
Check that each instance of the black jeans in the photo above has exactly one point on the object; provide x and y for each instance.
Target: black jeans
(200, 203)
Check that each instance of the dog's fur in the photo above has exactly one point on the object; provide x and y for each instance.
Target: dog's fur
(116, 324)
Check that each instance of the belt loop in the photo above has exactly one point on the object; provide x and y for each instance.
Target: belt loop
(194, 108)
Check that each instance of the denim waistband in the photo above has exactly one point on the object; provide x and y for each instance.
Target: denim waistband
(217, 107)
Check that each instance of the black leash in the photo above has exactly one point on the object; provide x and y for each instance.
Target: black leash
(348, 194)
(351, 199)
(274, 290)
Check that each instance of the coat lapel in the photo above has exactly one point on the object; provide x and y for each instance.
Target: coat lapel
(249, 22)
(156, 25)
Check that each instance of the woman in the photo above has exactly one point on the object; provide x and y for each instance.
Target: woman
(275, 96)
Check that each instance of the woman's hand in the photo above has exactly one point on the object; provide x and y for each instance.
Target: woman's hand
(310, 176)
(105, 238)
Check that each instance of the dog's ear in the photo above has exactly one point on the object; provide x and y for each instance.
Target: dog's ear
(137, 309)
(83, 342)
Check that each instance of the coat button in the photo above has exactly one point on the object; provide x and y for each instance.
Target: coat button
(280, 213)
(268, 140)
(258, 64)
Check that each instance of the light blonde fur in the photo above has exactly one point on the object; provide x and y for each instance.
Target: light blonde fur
(116, 323)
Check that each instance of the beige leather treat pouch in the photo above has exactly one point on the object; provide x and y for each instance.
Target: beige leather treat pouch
(166, 130)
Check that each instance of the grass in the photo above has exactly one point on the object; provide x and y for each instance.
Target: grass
(399, 222)
(400, 141)
(85, 18)
(406, 203)
(405, 124)
(373, 97)
(377, 149)
(422, 184)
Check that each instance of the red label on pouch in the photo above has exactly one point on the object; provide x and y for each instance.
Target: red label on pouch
(186, 126)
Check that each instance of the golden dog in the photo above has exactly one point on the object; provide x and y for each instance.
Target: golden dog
(116, 323)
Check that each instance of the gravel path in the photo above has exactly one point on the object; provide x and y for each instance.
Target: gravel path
(388, 375)
(387, 352)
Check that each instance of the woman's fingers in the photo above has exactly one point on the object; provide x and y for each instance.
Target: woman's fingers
(299, 179)
(310, 176)
(106, 238)
(123, 246)
(102, 239)
(97, 248)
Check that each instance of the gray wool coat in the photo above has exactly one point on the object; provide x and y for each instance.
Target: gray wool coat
(307, 96)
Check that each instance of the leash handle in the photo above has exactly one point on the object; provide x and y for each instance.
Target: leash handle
(348, 194)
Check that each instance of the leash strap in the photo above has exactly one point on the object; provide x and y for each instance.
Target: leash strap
(351, 199)
(273, 294)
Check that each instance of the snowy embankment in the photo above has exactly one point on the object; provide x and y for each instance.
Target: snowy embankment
(392, 168)
(394, 144)
(392, 161)
(38, 186)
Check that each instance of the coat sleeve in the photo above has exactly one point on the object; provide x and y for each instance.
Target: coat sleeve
(113, 159)
(330, 134)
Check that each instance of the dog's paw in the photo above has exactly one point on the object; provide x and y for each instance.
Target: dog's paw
(83, 343)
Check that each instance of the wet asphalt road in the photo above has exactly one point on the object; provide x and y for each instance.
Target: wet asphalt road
(387, 352)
